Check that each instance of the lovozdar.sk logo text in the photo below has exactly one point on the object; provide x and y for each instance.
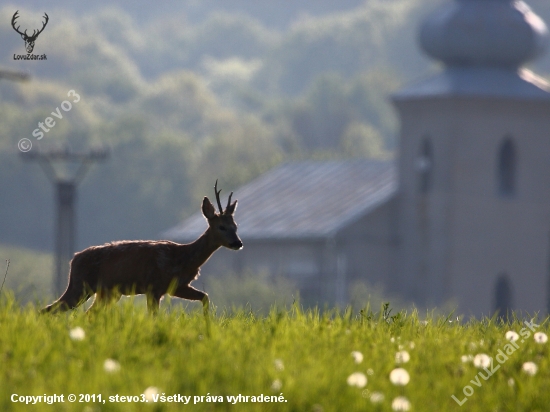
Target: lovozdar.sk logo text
(29, 39)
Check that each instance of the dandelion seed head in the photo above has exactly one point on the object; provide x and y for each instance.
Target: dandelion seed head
(317, 408)
(357, 379)
(377, 397)
(540, 337)
(402, 356)
(111, 365)
(150, 392)
(279, 365)
(370, 372)
(482, 360)
(466, 358)
(357, 356)
(401, 404)
(530, 368)
(511, 336)
(77, 333)
(399, 377)
(276, 385)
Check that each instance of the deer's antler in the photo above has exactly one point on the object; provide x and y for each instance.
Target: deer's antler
(218, 197)
(43, 26)
(15, 16)
(229, 200)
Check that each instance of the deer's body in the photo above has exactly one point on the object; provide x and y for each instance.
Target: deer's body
(153, 268)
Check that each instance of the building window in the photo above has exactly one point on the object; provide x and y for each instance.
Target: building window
(424, 166)
(503, 296)
(506, 168)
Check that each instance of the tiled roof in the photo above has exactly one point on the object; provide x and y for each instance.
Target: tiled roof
(309, 199)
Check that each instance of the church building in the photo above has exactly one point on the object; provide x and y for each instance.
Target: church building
(463, 216)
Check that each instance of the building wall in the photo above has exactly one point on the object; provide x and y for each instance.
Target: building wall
(461, 234)
(369, 246)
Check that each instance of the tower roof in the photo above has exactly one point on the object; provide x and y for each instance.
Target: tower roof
(502, 33)
(483, 44)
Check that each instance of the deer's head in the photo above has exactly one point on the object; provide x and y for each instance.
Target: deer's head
(222, 225)
(29, 40)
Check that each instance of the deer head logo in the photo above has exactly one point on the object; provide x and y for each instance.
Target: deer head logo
(29, 40)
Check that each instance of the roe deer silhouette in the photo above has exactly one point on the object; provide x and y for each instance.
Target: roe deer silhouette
(153, 268)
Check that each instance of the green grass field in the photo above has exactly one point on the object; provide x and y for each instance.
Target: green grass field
(301, 359)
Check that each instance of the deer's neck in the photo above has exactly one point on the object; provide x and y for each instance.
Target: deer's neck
(201, 249)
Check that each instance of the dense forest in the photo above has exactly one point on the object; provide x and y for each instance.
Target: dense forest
(187, 97)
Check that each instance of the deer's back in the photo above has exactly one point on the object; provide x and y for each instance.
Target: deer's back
(134, 266)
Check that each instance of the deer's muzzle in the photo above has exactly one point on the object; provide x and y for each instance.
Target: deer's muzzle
(236, 245)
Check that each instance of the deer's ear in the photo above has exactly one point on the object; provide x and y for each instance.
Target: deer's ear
(207, 209)
(231, 208)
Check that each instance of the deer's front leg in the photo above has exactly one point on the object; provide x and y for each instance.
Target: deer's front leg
(190, 293)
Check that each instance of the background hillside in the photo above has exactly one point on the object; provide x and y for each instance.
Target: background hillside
(187, 92)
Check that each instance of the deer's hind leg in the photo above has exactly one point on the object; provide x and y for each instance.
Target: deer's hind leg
(103, 298)
(75, 294)
(190, 293)
(153, 303)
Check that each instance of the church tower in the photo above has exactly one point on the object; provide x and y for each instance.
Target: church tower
(474, 168)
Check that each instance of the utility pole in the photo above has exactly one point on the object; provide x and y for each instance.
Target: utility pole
(65, 169)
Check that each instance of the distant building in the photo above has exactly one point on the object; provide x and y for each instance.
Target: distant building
(322, 224)
(465, 217)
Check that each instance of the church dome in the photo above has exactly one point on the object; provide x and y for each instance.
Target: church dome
(503, 33)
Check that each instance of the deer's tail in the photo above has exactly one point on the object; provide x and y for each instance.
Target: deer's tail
(73, 297)
(77, 292)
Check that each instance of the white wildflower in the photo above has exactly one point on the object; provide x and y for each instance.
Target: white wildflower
(482, 360)
(511, 382)
(401, 404)
(276, 385)
(411, 345)
(529, 368)
(377, 397)
(357, 356)
(357, 379)
(77, 333)
(370, 372)
(540, 337)
(111, 365)
(466, 358)
(279, 365)
(511, 336)
(150, 392)
(399, 376)
(402, 356)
